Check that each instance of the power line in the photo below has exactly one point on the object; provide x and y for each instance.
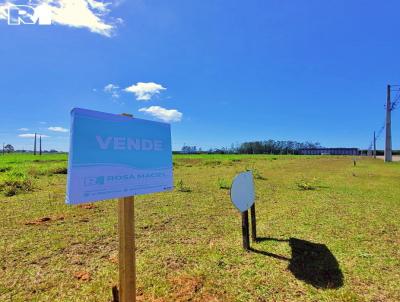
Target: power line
(395, 102)
(378, 135)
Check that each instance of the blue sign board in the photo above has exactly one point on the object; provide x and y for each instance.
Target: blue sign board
(114, 156)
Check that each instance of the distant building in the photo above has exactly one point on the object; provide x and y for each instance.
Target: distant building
(329, 151)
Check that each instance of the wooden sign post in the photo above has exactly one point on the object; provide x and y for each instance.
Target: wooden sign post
(127, 259)
(127, 253)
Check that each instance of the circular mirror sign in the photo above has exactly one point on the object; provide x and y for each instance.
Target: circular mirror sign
(242, 191)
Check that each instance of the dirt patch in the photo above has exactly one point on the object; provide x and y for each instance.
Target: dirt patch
(186, 288)
(189, 161)
(102, 248)
(191, 288)
(174, 263)
(82, 276)
(87, 206)
(43, 220)
(114, 258)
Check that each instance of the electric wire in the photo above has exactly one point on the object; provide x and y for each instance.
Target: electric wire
(393, 107)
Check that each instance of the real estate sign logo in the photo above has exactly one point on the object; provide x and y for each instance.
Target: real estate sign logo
(114, 156)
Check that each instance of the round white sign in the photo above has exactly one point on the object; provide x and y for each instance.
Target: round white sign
(242, 191)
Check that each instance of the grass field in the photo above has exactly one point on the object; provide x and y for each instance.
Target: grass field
(328, 231)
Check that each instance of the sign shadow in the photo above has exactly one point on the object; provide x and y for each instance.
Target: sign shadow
(310, 262)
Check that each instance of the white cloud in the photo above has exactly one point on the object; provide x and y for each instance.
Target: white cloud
(4, 10)
(145, 91)
(23, 129)
(32, 135)
(110, 87)
(113, 90)
(58, 129)
(166, 115)
(89, 14)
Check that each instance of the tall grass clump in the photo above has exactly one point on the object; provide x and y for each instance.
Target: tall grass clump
(212, 163)
(4, 169)
(223, 184)
(182, 187)
(307, 185)
(59, 170)
(46, 170)
(256, 173)
(14, 182)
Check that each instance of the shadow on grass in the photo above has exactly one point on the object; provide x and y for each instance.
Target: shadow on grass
(311, 262)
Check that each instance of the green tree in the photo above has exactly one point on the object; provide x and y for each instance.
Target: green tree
(8, 148)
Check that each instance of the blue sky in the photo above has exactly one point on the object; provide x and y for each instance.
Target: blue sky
(221, 71)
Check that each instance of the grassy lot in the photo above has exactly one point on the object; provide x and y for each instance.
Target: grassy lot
(328, 231)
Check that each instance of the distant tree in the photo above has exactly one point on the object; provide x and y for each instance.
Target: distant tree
(8, 148)
(189, 149)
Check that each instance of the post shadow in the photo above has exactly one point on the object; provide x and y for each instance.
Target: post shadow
(310, 262)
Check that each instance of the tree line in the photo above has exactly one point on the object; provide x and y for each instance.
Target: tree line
(10, 149)
(257, 147)
(274, 147)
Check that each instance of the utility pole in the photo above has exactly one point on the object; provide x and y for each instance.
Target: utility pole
(34, 146)
(40, 145)
(374, 145)
(388, 143)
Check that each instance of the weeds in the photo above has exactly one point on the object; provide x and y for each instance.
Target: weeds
(307, 185)
(256, 173)
(59, 170)
(223, 184)
(14, 183)
(5, 169)
(49, 171)
(182, 187)
(212, 163)
(35, 172)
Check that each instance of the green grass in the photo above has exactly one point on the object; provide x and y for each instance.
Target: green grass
(336, 242)
(19, 171)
